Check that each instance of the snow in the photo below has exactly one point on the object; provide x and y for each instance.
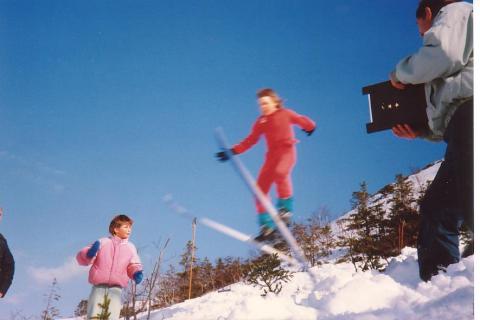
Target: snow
(342, 293)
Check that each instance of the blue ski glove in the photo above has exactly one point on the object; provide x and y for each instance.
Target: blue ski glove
(309, 133)
(223, 156)
(137, 277)
(93, 249)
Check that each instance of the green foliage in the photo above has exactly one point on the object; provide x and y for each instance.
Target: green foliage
(268, 274)
(104, 309)
(377, 229)
(403, 218)
(362, 232)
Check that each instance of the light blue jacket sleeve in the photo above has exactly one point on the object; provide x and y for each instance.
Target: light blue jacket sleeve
(444, 64)
(446, 50)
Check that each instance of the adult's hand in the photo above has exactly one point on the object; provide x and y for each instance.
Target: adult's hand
(405, 131)
(394, 81)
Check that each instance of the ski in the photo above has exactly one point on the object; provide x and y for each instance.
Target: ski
(272, 211)
(177, 208)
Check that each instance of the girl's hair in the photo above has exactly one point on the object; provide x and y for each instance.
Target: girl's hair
(267, 92)
(434, 5)
(118, 221)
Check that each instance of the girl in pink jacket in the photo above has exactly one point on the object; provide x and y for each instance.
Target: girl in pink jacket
(114, 261)
(276, 125)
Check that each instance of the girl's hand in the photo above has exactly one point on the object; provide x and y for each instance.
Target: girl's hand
(137, 277)
(93, 249)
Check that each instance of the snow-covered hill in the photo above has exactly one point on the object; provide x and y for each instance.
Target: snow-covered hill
(340, 293)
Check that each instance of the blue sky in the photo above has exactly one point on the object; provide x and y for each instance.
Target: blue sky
(106, 106)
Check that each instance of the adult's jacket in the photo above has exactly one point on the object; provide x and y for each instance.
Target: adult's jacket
(7, 266)
(445, 64)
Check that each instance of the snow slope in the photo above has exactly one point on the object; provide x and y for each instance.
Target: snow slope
(342, 293)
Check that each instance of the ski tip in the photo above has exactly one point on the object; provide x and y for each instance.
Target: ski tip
(167, 198)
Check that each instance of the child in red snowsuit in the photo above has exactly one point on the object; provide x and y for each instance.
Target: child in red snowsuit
(276, 124)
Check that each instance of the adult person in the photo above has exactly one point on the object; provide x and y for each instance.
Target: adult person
(444, 63)
(7, 264)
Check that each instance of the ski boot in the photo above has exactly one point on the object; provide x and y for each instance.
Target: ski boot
(268, 230)
(267, 235)
(285, 209)
(273, 238)
(286, 216)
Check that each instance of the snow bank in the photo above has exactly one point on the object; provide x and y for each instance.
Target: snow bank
(342, 293)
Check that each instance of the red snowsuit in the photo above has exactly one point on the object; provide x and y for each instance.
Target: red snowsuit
(281, 154)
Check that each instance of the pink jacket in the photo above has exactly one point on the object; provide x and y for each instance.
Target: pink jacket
(116, 261)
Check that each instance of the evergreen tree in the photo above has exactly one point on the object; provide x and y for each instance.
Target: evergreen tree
(220, 279)
(403, 218)
(104, 313)
(346, 239)
(364, 227)
(206, 275)
(186, 257)
(186, 262)
(268, 274)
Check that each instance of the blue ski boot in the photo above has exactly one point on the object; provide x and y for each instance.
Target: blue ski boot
(285, 209)
(268, 231)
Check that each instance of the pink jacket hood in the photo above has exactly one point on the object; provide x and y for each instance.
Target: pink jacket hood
(115, 263)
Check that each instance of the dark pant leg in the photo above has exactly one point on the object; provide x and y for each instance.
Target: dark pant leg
(464, 165)
(449, 199)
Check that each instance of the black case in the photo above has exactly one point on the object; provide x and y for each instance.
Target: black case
(390, 106)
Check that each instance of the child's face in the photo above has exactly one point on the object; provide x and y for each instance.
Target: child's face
(267, 105)
(123, 232)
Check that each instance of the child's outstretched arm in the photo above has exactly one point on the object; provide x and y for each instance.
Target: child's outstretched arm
(304, 122)
(250, 140)
(86, 255)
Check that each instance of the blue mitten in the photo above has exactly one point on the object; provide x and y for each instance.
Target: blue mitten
(137, 277)
(93, 249)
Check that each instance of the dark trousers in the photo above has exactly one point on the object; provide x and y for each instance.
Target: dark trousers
(448, 201)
